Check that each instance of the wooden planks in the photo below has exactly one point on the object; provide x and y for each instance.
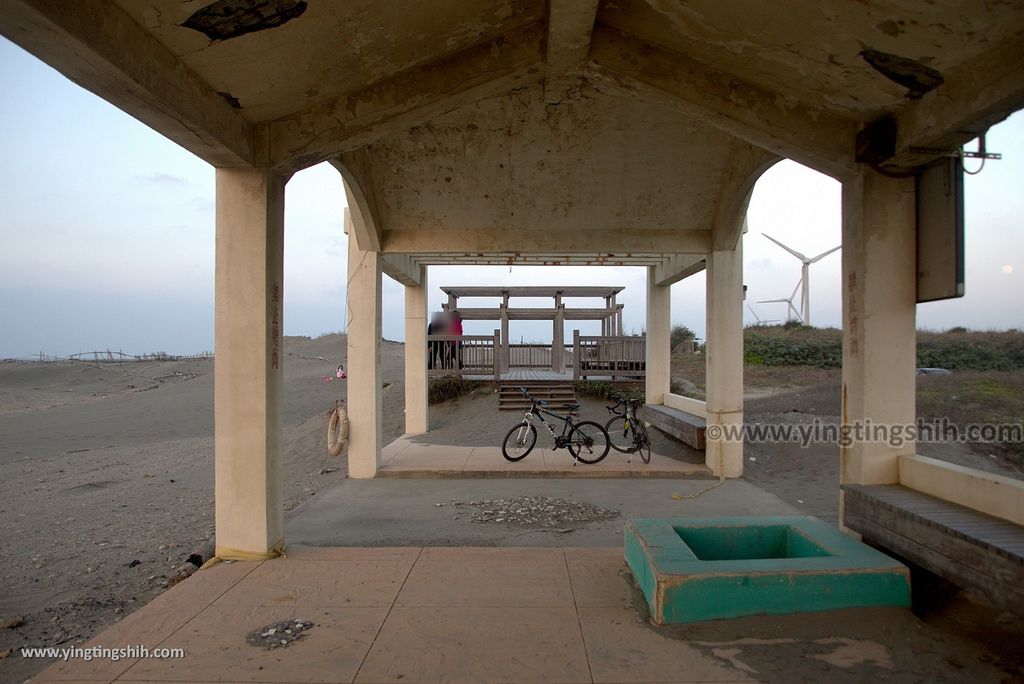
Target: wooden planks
(685, 427)
(968, 548)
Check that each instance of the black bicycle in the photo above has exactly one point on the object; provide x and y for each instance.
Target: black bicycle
(627, 432)
(586, 440)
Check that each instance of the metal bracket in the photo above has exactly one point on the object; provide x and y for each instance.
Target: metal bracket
(980, 153)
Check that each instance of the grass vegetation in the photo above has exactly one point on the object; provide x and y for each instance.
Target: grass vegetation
(603, 390)
(449, 387)
(957, 349)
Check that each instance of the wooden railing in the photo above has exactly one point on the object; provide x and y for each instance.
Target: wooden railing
(605, 356)
(464, 355)
(529, 356)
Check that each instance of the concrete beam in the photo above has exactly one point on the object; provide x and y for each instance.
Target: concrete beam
(974, 97)
(403, 269)
(678, 267)
(483, 240)
(361, 214)
(99, 47)
(508, 259)
(734, 193)
(353, 120)
(570, 25)
(816, 138)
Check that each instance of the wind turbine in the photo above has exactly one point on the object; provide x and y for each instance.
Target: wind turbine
(805, 277)
(756, 317)
(789, 301)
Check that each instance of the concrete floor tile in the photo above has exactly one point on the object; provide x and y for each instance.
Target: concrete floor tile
(622, 647)
(153, 623)
(489, 577)
(600, 577)
(477, 645)
(352, 553)
(285, 582)
(216, 649)
(430, 456)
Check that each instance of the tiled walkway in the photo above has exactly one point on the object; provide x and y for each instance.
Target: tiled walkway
(472, 615)
(407, 458)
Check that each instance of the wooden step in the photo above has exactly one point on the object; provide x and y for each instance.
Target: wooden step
(511, 399)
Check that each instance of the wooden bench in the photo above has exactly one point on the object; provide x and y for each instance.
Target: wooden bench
(685, 427)
(970, 549)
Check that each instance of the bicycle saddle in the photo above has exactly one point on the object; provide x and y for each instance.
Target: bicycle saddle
(542, 402)
(572, 407)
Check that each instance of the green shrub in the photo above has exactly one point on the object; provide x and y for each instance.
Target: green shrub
(680, 333)
(956, 349)
(602, 389)
(448, 387)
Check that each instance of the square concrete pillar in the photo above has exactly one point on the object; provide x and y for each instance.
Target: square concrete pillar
(879, 324)
(658, 352)
(723, 360)
(416, 411)
(364, 379)
(247, 392)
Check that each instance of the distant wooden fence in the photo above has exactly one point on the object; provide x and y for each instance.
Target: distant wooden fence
(615, 356)
(464, 355)
(108, 356)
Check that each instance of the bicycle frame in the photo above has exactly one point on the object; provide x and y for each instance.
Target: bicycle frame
(567, 425)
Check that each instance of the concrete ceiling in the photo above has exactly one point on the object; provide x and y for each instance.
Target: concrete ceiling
(559, 129)
(330, 49)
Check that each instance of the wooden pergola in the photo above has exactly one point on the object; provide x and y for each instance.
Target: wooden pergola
(610, 314)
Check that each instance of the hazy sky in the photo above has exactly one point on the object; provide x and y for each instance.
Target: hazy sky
(107, 238)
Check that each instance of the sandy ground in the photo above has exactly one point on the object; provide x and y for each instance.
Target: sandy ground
(104, 465)
(107, 464)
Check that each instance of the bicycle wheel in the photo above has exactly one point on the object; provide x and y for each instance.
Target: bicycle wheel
(643, 442)
(588, 442)
(620, 437)
(519, 441)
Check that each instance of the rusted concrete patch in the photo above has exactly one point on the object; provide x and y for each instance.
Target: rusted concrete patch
(226, 19)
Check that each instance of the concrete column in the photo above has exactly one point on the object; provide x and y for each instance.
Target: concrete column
(364, 379)
(879, 326)
(247, 372)
(659, 314)
(618, 320)
(504, 337)
(558, 340)
(416, 411)
(724, 360)
(612, 318)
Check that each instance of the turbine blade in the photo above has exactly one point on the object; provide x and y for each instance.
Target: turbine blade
(795, 253)
(824, 254)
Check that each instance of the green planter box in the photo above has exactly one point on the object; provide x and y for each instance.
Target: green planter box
(693, 569)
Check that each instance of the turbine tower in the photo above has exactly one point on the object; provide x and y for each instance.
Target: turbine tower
(792, 313)
(805, 277)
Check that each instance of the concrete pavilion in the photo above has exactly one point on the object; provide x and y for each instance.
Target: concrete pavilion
(567, 131)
